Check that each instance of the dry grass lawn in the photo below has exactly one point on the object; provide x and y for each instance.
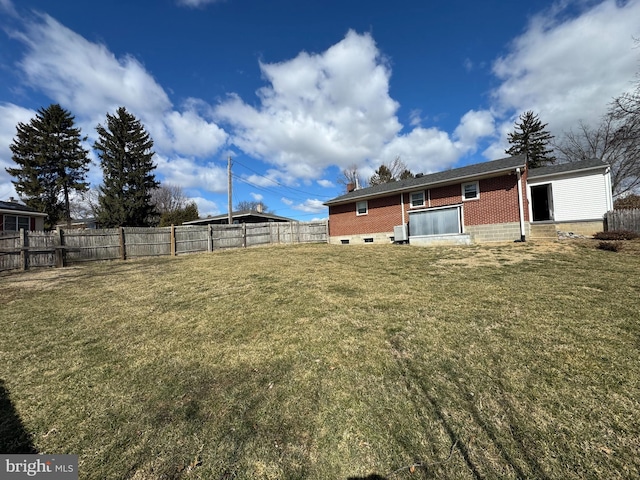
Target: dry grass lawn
(323, 362)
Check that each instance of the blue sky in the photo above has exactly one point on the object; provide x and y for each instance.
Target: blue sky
(297, 91)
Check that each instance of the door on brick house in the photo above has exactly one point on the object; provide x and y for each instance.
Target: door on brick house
(542, 202)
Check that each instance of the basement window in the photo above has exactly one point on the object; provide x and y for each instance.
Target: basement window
(344, 242)
(368, 240)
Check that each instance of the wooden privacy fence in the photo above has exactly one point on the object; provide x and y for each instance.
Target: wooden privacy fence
(23, 249)
(625, 219)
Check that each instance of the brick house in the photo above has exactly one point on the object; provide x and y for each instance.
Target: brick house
(15, 216)
(500, 200)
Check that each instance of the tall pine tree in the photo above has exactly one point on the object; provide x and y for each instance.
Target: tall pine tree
(126, 158)
(531, 138)
(51, 162)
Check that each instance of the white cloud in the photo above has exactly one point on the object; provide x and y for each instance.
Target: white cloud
(205, 207)
(196, 3)
(318, 110)
(90, 80)
(473, 126)
(326, 183)
(8, 7)
(569, 68)
(308, 206)
(10, 116)
(187, 173)
(257, 197)
(422, 150)
(334, 108)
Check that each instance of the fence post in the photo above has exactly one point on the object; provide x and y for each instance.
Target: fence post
(123, 251)
(173, 240)
(209, 238)
(244, 235)
(24, 254)
(59, 244)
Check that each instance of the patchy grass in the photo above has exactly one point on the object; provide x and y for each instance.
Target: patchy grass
(515, 361)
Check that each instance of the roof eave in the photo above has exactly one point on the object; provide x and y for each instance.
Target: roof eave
(22, 212)
(597, 167)
(425, 185)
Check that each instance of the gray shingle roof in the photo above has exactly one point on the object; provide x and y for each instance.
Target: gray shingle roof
(448, 176)
(17, 207)
(566, 168)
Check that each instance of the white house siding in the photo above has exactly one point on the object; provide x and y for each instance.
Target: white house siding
(576, 197)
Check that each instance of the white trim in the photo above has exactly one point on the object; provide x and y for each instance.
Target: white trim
(521, 205)
(477, 197)
(402, 206)
(436, 208)
(23, 213)
(366, 202)
(429, 195)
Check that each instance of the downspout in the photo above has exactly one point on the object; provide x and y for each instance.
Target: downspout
(520, 206)
(402, 206)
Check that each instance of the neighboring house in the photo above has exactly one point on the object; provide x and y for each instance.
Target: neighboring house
(15, 216)
(495, 201)
(243, 216)
(80, 224)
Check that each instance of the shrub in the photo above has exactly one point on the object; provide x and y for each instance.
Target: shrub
(616, 235)
(610, 246)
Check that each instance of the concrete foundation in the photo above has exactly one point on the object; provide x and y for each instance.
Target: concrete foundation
(498, 232)
(436, 240)
(365, 238)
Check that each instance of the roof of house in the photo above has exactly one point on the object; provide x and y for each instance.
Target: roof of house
(567, 168)
(239, 215)
(448, 176)
(20, 208)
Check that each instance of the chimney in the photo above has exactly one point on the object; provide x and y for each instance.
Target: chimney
(351, 187)
(259, 207)
(13, 200)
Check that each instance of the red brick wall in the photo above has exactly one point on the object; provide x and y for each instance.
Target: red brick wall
(498, 203)
(384, 214)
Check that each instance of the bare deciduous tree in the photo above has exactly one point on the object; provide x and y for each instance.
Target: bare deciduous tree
(394, 171)
(168, 198)
(351, 176)
(616, 141)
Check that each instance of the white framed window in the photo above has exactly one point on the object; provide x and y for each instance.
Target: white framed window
(362, 208)
(13, 223)
(470, 191)
(417, 199)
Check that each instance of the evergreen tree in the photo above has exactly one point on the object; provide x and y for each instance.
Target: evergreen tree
(180, 215)
(531, 138)
(392, 172)
(51, 163)
(126, 158)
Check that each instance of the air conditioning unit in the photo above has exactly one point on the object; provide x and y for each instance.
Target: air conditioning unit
(400, 233)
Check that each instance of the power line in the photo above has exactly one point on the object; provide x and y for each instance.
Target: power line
(278, 183)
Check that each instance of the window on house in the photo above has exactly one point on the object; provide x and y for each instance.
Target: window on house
(417, 199)
(470, 191)
(362, 208)
(441, 221)
(368, 240)
(13, 223)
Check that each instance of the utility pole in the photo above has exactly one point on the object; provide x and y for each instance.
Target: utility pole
(230, 215)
